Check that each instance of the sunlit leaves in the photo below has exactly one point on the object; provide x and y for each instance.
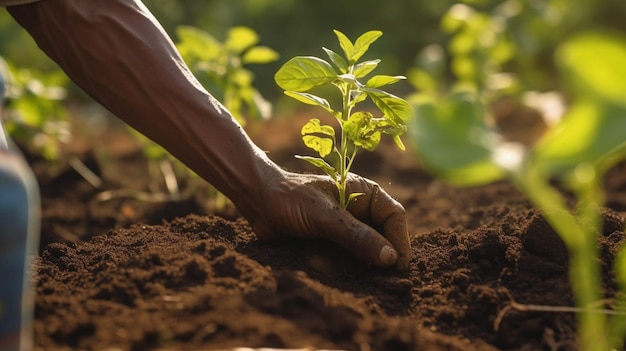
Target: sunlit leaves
(479, 45)
(318, 137)
(321, 164)
(360, 130)
(396, 109)
(310, 99)
(339, 61)
(382, 80)
(240, 38)
(197, 44)
(453, 140)
(364, 68)
(596, 123)
(219, 68)
(303, 73)
(595, 65)
(259, 54)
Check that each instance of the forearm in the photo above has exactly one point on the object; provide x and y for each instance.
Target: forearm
(119, 54)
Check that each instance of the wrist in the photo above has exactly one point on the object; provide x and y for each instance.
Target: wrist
(251, 186)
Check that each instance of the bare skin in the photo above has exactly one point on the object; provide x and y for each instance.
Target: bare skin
(118, 53)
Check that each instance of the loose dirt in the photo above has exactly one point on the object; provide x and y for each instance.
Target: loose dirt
(125, 274)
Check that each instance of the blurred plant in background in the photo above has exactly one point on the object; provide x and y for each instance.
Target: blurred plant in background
(483, 69)
(219, 66)
(35, 115)
(458, 137)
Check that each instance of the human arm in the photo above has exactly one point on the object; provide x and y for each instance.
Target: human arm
(117, 52)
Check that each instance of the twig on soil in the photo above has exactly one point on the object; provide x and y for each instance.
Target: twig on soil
(84, 171)
(137, 195)
(66, 234)
(255, 349)
(513, 305)
(169, 176)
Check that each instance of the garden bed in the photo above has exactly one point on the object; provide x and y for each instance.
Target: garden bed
(133, 275)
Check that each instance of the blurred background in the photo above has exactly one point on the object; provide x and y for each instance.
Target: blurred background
(301, 27)
(503, 50)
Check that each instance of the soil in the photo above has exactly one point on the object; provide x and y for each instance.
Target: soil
(125, 274)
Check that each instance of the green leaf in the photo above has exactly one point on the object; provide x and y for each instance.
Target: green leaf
(456, 17)
(321, 164)
(259, 55)
(595, 125)
(364, 68)
(302, 73)
(594, 63)
(310, 99)
(353, 196)
(339, 61)
(396, 109)
(453, 141)
(378, 81)
(399, 143)
(349, 79)
(362, 44)
(318, 137)
(360, 128)
(240, 38)
(346, 44)
(588, 131)
(195, 43)
(313, 126)
(359, 98)
(30, 112)
(423, 81)
(322, 145)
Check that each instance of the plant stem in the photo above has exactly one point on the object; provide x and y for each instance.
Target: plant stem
(343, 153)
(580, 237)
(345, 162)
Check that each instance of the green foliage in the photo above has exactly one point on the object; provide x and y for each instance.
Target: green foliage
(479, 46)
(596, 121)
(454, 136)
(458, 145)
(220, 67)
(36, 115)
(359, 129)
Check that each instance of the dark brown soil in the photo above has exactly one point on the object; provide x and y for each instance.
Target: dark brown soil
(132, 275)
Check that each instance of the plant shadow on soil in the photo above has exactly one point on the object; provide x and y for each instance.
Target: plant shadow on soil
(126, 274)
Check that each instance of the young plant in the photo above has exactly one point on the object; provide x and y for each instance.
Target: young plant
(358, 129)
(219, 66)
(35, 114)
(454, 141)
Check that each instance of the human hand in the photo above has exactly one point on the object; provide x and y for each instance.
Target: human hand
(305, 205)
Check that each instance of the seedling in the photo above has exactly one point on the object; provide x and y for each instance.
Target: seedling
(358, 129)
(35, 114)
(455, 142)
(220, 67)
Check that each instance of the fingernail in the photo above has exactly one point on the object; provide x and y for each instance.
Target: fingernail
(388, 255)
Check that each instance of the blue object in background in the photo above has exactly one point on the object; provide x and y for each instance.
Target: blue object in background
(19, 238)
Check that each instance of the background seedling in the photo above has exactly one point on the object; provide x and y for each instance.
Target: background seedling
(455, 142)
(219, 66)
(358, 129)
